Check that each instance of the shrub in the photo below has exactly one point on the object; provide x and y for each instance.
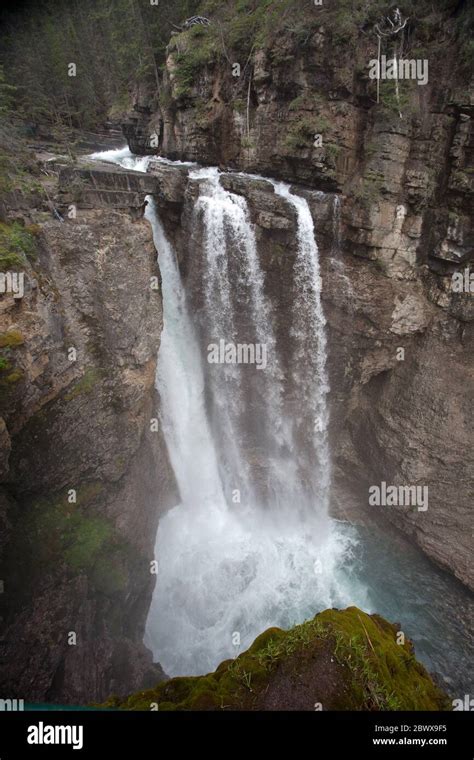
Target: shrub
(198, 49)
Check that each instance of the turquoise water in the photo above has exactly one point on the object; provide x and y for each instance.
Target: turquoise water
(433, 609)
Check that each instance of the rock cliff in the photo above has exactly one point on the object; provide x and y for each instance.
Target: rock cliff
(395, 347)
(83, 474)
(394, 226)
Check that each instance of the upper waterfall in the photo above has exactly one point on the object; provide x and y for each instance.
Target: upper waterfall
(251, 543)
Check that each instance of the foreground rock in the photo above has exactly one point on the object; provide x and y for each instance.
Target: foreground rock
(340, 660)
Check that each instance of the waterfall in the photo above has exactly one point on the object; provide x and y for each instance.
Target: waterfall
(229, 567)
(337, 259)
(180, 383)
(248, 405)
(309, 353)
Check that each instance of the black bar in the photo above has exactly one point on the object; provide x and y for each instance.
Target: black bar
(128, 734)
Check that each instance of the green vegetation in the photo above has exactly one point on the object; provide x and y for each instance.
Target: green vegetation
(302, 134)
(52, 532)
(11, 339)
(89, 539)
(6, 94)
(115, 45)
(247, 143)
(65, 531)
(239, 105)
(17, 245)
(9, 374)
(368, 193)
(308, 101)
(196, 48)
(12, 377)
(119, 48)
(394, 104)
(16, 167)
(357, 653)
(86, 384)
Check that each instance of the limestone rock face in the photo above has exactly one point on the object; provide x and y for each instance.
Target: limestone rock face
(398, 362)
(5, 448)
(307, 117)
(83, 476)
(401, 379)
(391, 192)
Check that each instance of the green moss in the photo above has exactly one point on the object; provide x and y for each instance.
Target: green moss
(11, 339)
(9, 373)
(51, 532)
(301, 134)
(90, 536)
(14, 377)
(88, 493)
(196, 48)
(86, 384)
(386, 673)
(372, 671)
(17, 245)
(61, 531)
(109, 573)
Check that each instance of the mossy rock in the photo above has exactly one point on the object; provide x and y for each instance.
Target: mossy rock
(86, 384)
(17, 245)
(11, 339)
(339, 660)
(14, 377)
(10, 374)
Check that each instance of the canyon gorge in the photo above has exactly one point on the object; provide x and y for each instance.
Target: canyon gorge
(155, 504)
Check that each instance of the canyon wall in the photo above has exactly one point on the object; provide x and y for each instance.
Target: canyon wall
(78, 394)
(399, 420)
(303, 109)
(391, 197)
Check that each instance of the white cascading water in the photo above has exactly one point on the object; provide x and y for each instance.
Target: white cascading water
(229, 240)
(310, 352)
(228, 568)
(337, 260)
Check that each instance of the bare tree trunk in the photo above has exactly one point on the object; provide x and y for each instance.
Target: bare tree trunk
(397, 91)
(248, 107)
